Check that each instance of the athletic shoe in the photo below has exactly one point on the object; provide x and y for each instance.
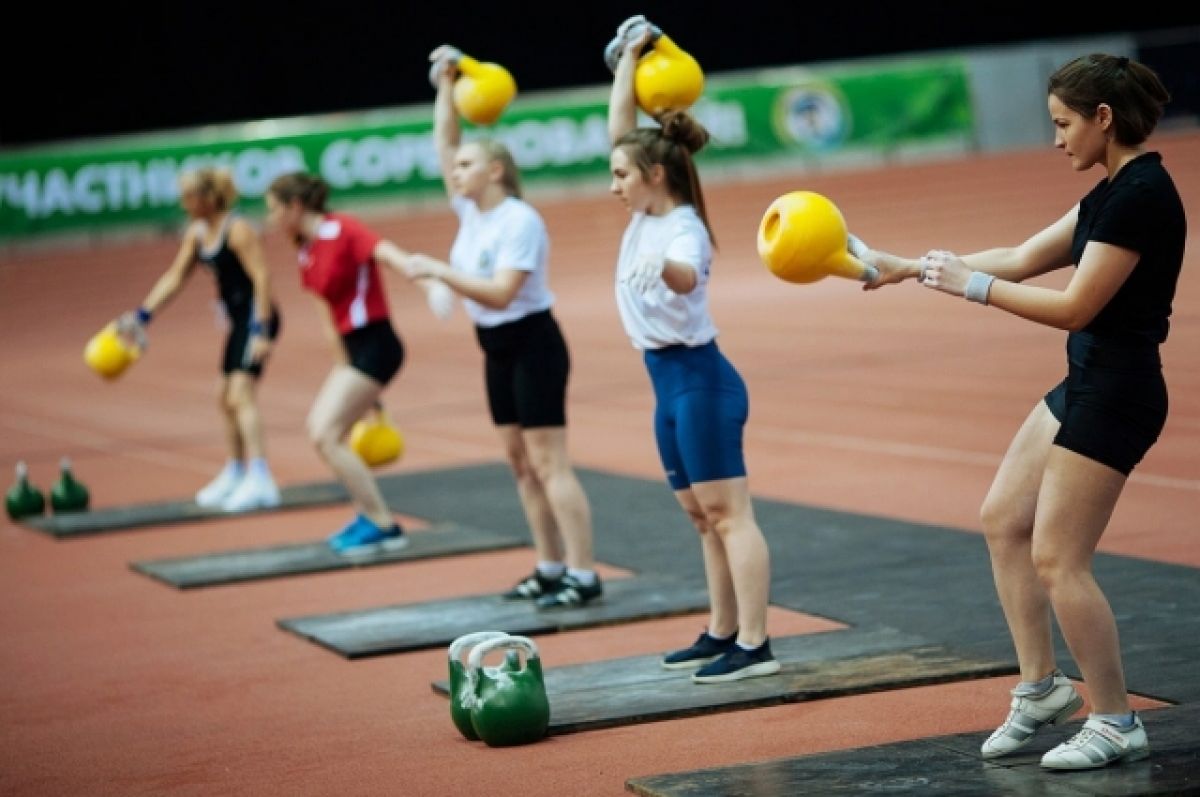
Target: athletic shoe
(361, 536)
(738, 663)
(533, 587)
(211, 495)
(1028, 715)
(571, 594)
(252, 492)
(1099, 744)
(705, 649)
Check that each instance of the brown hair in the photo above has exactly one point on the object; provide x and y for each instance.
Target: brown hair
(214, 184)
(672, 146)
(494, 151)
(1131, 89)
(311, 190)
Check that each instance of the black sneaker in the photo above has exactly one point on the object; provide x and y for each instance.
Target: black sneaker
(705, 649)
(738, 663)
(571, 594)
(533, 587)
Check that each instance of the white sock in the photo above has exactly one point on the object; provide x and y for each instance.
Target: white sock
(585, 577)
(235, 468)
(551, 570)
(259, 468)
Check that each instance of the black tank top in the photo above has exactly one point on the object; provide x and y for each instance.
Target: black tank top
(233, 283)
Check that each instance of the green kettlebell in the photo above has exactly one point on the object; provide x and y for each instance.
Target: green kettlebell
(460, 711)
(510, 706)
(23, 499)
(68, 494)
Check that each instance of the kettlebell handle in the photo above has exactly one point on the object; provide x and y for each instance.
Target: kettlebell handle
(474, 638)
(501, 643)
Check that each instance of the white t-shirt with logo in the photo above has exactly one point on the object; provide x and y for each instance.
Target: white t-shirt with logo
(510, 236)
(661, 317)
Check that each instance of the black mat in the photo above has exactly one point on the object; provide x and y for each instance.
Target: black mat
(951, 765)
(931, 581)
(441, 539)
(136, 516)
(417, 626)
(637, 689)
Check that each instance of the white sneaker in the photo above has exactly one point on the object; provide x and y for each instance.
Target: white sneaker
(1099, 744)
(252, 492)
(212, 494)
(1028, 714)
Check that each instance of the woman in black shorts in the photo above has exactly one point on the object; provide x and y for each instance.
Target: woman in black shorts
(338, 259)
(1060, 480)
(226, 244)
(499, 264)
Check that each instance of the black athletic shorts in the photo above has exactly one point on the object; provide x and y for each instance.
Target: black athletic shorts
(1113, 403)
(526, 366)
(236, 356)
(375, 350)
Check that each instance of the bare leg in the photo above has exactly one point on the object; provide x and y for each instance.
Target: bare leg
(240, 398)
(1075, 504)
(546, 448)
(346, 395)
(723, 606)
(1008, 518)
(226, 402)
(727, 508)
(538, 513)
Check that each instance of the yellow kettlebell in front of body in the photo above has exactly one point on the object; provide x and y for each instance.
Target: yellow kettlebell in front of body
(802, 238)
(666, 78)
(108, 353)
(376, 440)
(482, 90)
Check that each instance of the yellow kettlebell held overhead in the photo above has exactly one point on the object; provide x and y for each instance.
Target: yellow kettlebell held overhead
(483, 90)
(108, 353)
(802, 238)
(666, 78)
(376, 439)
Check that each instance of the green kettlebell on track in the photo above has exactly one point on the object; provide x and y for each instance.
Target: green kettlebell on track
(460, 712)
(68, 494)
(510, 707)
(23, 499)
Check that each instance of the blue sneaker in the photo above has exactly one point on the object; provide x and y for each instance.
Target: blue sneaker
(361, 536)
(738, 663)
(705, 649)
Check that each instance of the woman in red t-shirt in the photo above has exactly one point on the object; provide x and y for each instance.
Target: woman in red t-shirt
(339, 263)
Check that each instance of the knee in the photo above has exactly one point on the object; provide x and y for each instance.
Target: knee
(1049, 565)
(719, 518)
(323, 439)
(1002, 523)
(520, 465)
(696, 516)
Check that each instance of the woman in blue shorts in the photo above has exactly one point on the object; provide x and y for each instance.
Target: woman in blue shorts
(701, 401)
(1057, 487)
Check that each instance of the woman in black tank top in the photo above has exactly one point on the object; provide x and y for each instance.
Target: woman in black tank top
(231, 248)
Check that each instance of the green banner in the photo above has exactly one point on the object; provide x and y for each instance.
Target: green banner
(793, 113)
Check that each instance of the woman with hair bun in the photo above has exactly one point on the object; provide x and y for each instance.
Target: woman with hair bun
(701, 401)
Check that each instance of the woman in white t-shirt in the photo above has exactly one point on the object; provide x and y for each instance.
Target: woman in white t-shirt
(498, 264)
(701, 401)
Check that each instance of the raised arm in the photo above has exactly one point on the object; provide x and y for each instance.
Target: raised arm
(447, 133)
(622, 103)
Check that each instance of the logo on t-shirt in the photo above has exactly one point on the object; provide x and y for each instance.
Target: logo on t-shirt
(485, 262)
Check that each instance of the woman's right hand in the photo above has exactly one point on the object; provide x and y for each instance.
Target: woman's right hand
(443, 63)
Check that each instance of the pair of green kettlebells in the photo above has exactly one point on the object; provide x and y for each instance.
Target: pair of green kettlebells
(502, 706)
(24, 499)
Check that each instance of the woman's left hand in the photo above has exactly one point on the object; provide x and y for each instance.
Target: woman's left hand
(945, 272)
(260, 347)
(418, 266)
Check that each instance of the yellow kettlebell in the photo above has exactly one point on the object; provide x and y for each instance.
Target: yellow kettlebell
(666, 78)
(482, 90)
(108, 353)
(376, 440)
(802, 238)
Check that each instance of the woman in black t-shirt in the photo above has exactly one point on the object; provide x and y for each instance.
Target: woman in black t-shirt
(1064, 471)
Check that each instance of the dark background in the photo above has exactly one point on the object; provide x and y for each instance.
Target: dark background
(101, 70)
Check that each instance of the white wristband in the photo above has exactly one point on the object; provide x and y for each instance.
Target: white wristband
(978, 285)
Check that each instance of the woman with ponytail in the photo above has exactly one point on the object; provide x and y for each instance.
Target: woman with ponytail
(701, 400)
